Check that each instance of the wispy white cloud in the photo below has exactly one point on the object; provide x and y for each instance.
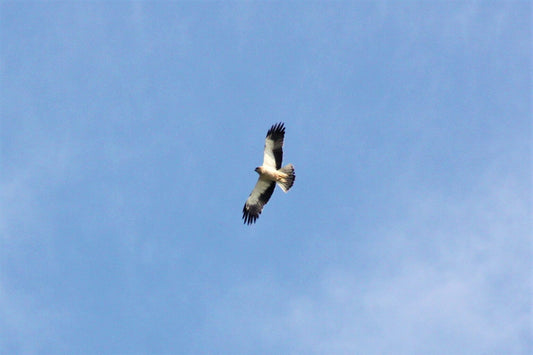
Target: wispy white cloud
(454, 276)
(29, 325)
(28, 322)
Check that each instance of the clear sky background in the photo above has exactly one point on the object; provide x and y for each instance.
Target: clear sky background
(129, 135)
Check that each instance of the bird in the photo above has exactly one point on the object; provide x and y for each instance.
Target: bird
(270, 174)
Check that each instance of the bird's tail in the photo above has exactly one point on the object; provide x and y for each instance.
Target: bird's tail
(286, 182)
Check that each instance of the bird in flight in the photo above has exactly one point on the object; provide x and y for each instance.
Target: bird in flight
(270, 174)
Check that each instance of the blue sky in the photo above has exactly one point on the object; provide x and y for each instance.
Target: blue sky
(129, 135)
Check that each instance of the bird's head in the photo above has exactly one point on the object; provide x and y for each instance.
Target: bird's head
(258, 170)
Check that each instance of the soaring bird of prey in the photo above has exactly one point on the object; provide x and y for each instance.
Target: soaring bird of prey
(270, 174)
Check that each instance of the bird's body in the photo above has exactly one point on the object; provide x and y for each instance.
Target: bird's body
(270, 174)
(274, 175)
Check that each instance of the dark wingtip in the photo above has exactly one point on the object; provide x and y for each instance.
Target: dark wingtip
(277, 129)
(248, 217)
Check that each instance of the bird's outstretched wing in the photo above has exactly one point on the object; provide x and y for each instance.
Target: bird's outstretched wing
(274, 146)
(257, 199)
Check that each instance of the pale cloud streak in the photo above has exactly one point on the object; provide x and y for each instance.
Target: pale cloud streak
(453, 276)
